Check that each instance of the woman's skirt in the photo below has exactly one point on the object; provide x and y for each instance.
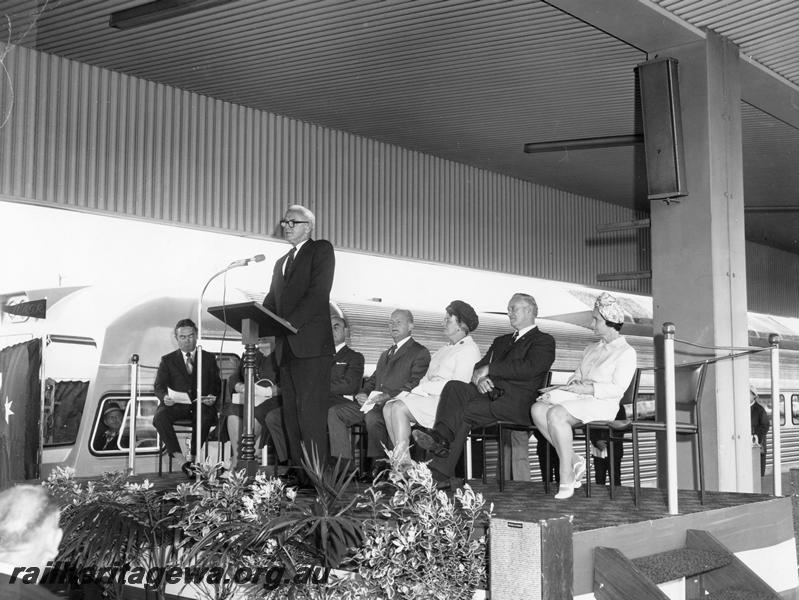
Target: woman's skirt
(422, 408)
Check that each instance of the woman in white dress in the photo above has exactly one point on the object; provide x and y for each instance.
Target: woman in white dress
(455, 361)
(591, 394)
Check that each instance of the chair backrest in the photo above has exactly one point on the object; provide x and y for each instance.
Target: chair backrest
(689, 381)
(547, 379)
(630, 396)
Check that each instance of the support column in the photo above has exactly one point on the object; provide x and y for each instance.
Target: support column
(699, 262)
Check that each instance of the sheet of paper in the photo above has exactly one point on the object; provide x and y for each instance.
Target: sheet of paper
(370, 401)
(178, 397)
(544, 390)
(262, 393)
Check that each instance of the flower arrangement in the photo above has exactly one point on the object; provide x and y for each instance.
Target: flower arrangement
(416, 541)
(419, 544)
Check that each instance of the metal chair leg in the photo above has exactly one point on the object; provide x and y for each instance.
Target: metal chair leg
(611, 465)
(636, 468)
(500, 459)
(547, 466)
(701, 470)
(484, 454)
(588, 462)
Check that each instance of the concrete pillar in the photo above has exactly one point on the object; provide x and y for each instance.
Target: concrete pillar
(699, 262)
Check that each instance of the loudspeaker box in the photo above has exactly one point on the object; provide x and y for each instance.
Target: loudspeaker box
(662, 120)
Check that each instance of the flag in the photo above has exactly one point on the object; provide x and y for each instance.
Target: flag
(20, 403)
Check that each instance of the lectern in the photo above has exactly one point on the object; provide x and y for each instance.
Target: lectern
(253, 321)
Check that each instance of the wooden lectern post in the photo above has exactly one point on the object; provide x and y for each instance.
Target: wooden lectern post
(246, 457)
(253, 321)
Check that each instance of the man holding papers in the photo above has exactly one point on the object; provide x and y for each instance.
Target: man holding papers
(176, 389)
(399, 369)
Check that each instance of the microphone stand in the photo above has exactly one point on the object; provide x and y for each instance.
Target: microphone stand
(199, 373)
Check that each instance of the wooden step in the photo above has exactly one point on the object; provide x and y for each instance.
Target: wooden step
(732, 581)
(740, 594)
(710, 570)
(617, 578)
(682, 562)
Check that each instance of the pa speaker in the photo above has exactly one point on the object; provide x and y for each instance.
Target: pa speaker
(660, 112)
(530, 560)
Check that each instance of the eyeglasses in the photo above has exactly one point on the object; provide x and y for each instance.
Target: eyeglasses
(291, 223)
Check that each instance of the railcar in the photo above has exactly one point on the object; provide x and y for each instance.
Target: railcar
(85, 345)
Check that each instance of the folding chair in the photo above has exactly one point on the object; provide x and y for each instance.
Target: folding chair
(615, 430)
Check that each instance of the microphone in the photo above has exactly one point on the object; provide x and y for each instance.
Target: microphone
(245, 261)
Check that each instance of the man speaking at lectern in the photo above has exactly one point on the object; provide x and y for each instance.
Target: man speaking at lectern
(300, 294)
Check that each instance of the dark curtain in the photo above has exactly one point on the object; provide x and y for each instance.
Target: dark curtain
(20, 404)
(69, 398)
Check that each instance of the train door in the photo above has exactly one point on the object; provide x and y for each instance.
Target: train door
(69, 365)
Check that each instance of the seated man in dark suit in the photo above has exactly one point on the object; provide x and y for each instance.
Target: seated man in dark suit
(176, 372)
(345, 379)
(398, 369)
(504, 385)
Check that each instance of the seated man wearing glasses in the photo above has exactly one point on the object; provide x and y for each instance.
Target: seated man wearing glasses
(300, 293)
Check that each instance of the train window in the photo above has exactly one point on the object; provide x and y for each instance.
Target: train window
(765, 400)
(782, 409)
(63, 410)
(645, 407)
(68, 366)
(228, 364)
(795, 409)
(111, 432)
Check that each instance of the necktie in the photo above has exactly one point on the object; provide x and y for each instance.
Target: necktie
(515, 337)
(189, 363)
(289, 261)
(392, 350)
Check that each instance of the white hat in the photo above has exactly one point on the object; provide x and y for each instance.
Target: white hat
(609, 308)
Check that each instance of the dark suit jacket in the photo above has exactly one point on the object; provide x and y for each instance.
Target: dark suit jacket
(172, 373)
(519, 368)
(346, 374)
(302, 297)
(402, 372)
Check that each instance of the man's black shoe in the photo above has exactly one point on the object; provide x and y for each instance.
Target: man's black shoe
(443, 484)
(189, 469)
(432, 441)
(296, 478)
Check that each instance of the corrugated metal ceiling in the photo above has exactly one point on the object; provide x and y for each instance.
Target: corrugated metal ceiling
(766, 30)
(468, 80)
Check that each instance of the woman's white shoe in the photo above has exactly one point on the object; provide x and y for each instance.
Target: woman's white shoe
(565, 491)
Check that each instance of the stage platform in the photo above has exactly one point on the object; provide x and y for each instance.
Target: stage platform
(757, 529)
